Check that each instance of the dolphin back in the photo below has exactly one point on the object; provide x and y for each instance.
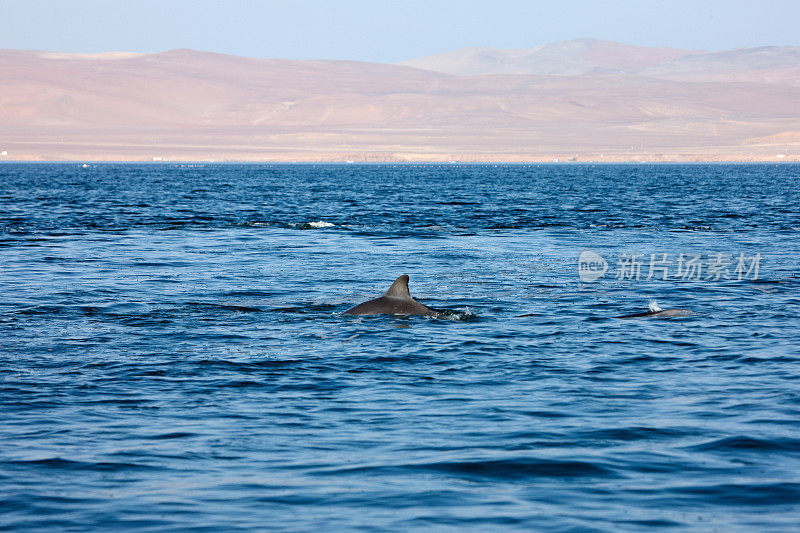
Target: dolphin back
(661, 313)
(390, 305)
(396, 301)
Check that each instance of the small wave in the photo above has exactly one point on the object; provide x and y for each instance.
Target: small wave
(169, 436)
(522, 468)
(313, 225)
(41, 310)
(223, 307)
(67, 464)
(745, 494)
(743, 443)
(256, 224)
(306, 309)
(649, 524)
(495, 469)
(245, 366)
(240, 384)
(633, 434)
(766, 359)
(457, 315)
(548, 414)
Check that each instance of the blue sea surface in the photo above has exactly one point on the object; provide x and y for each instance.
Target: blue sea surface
(174, 354)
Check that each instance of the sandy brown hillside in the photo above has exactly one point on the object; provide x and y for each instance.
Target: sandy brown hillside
(192, 105)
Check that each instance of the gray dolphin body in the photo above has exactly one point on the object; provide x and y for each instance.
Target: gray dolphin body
(396, 301)
(656, 312)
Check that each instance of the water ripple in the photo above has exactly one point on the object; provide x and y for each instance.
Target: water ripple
(175, 355)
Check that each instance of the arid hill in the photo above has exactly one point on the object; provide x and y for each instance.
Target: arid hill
(578, 100)
(767, 64)
(565, 58)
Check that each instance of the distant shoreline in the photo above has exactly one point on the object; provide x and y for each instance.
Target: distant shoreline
(407, 162)
(623, 104)
(34, 152)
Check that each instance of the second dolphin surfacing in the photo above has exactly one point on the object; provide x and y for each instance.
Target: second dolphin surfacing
(396, 301)
(656, 312)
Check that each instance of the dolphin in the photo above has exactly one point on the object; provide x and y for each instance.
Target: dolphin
(396, 301)
(656, 311)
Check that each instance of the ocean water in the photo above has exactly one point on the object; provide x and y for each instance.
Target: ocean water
(174, 354)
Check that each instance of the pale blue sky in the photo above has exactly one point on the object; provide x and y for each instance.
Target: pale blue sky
(387, 31)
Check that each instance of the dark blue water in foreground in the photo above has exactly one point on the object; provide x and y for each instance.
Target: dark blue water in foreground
(174, 356)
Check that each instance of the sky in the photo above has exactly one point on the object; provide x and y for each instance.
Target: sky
(387, 31)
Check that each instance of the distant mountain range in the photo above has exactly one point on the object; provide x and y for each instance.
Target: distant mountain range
(768, 64)
(574, 100)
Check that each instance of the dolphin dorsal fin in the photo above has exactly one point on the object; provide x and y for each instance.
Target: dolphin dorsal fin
(399, 288)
